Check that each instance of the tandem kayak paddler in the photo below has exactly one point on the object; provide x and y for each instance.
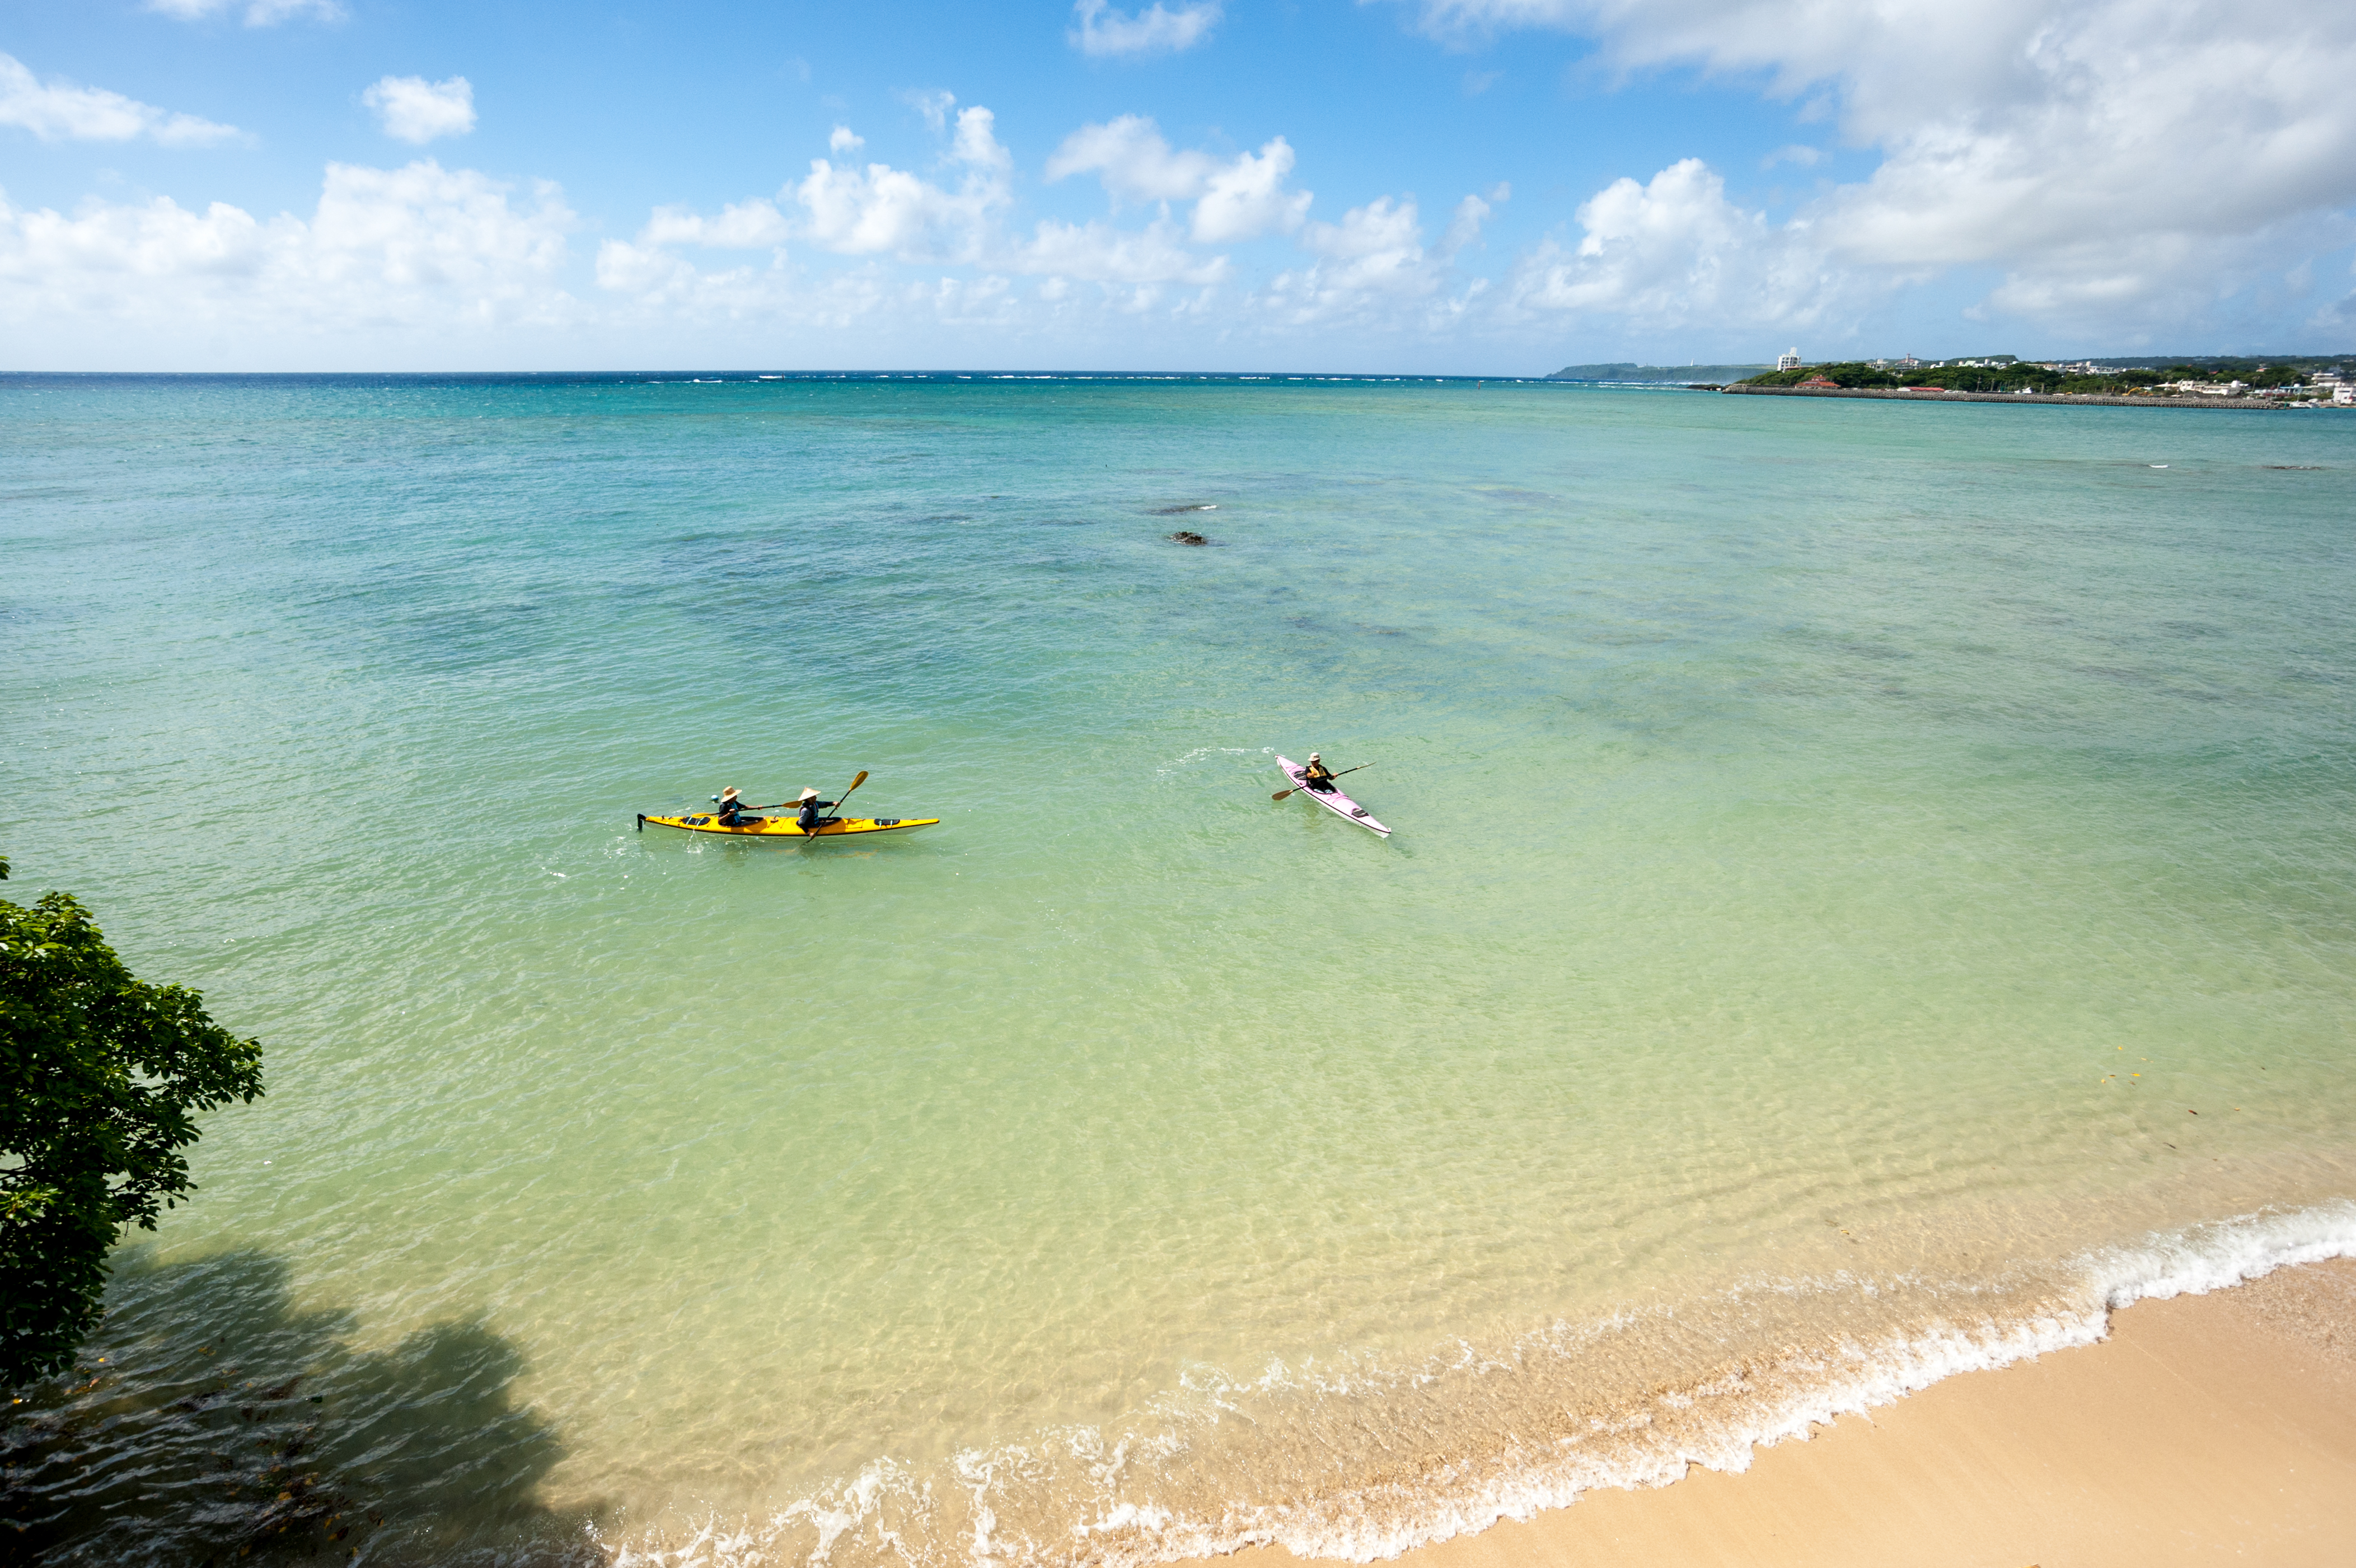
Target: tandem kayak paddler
(1330, 795)
(809, 820)
(786, 827)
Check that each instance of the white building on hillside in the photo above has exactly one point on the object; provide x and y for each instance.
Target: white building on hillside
(1788, 360)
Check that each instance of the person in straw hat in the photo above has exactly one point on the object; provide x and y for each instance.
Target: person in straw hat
(1317, 776)
(731, 808)
(813, 811)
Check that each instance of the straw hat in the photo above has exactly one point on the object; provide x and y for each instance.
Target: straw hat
(724, 794)
(1314, 758)
(807, 795)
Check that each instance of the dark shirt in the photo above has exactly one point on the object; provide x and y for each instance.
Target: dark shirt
(1317, 776)
(729, 811)
(811, 814)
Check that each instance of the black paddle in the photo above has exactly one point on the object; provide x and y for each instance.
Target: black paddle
(1280, 794)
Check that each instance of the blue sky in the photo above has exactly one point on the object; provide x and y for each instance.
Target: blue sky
(1479, 187)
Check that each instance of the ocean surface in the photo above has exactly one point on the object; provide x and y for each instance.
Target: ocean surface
(1872, 885)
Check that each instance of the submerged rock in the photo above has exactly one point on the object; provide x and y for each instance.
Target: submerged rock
(1188, 536)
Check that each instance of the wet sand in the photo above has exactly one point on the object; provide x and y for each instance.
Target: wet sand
(2204, 1429)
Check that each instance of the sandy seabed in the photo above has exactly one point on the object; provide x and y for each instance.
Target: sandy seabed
(2203, 1429)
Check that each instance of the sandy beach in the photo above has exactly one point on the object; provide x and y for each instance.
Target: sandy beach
(2204, 1428)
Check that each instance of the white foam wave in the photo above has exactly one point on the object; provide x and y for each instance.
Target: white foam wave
(1201, 752)
(2204, 1258)
(1123, 1505)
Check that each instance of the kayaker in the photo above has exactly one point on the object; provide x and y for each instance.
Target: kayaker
(812, 811)
(1317, 776)
(731, 808)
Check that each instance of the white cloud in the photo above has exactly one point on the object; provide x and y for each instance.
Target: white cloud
(1095, 253)
(1156, 31)
(411, 109)
(1464, 226)
(2339, 315)
(843, 141)
(858, 213)
(1129, 156)
(881, 209)
(418, 246)
(1676, 253)
(1236, 200)
(257, 13)
(1247, 198)
(58, 111)
(1373, 269)
(2151, 290)
(741, 226)
(977, 142)
(2048, 141)
(1377, 248)
(934, 106)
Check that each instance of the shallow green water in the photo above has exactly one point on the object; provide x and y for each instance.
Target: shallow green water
(1809, 817)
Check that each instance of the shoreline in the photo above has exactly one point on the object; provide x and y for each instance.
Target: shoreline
(2198, 1426)
(2103, 400)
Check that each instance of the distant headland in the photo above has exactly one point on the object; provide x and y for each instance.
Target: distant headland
(2289, 378)
(2295, 380)
(1676, 375)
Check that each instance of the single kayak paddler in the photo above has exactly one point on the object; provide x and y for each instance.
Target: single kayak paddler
(1315, 776)
(1318, 780)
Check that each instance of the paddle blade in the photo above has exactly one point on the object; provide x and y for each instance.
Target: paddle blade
(1280, 794)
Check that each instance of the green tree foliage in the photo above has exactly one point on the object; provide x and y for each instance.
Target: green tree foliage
(1954, 377)
(101, 1076)
(2014, 376)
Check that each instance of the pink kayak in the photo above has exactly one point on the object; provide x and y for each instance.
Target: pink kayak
(1333, 800)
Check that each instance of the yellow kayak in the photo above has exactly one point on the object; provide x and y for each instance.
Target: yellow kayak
(786, 827)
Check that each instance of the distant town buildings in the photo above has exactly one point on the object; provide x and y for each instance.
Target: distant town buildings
(1911, 363)
(1789, 359)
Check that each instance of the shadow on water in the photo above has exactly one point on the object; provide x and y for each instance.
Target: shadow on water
(212, 1420)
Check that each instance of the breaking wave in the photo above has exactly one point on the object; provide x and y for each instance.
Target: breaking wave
(1359, 1460)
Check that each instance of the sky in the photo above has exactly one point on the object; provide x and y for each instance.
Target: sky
(1458, 187)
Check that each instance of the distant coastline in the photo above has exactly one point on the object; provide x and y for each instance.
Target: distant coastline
(1669, 375)
(2112, 400)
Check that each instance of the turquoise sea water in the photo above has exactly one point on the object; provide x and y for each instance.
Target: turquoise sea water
(1870, 882)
